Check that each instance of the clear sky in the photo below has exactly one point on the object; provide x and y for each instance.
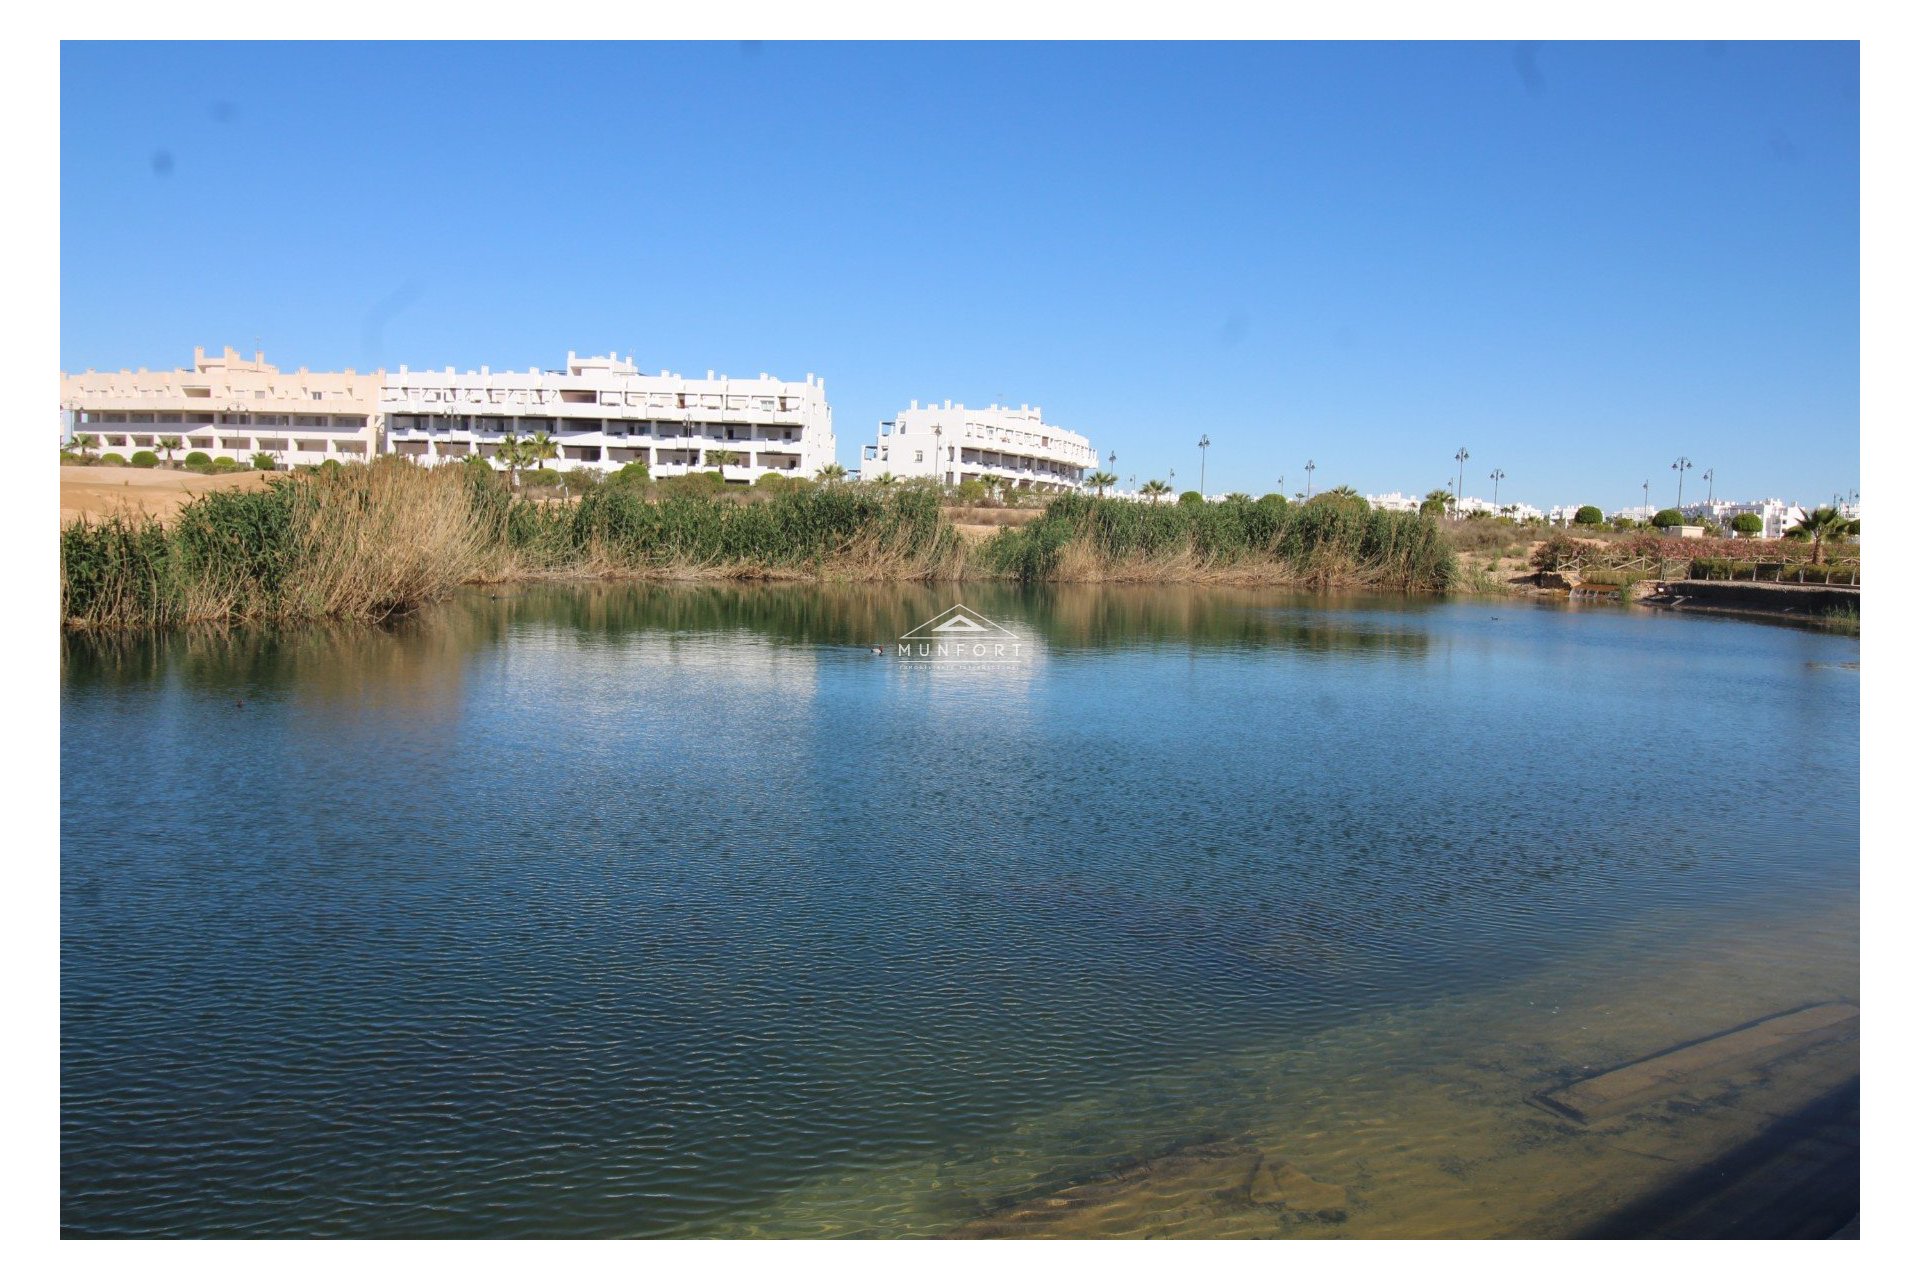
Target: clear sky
(1579, 261)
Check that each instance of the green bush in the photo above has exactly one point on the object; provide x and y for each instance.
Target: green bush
(1555, 551)
(1192, 497)
(634, 473)
(198, 459)
(265, 462)
(1669, 518)
(1720, 569)
(224, 463)
(112, 460)
(144, 458)
(971, 492)
(1747, 523)
(1589, 515)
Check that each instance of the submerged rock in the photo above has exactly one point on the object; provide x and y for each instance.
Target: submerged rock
(1160, 1193)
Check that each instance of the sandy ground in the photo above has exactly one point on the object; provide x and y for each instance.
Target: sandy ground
(96, 491)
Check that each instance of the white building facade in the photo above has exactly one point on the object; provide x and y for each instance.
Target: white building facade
(1776, 515)
(227, 406)
(601, 412)
(952, 444)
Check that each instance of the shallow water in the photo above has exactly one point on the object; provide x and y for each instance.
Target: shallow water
(637, 910)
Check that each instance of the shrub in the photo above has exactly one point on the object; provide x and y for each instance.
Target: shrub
(198, 459)
(1556, 550)
(1668, 518)
(581, 479)
(1747, 523)
(1192, 498)
(971, 492)
(634, 473)
(265, 462)
(1589, 515)
(144, 458)
(541, 478)
(694, 483)
(112, 460)
(224, 463)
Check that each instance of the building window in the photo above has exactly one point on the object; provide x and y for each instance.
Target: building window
(918, 456)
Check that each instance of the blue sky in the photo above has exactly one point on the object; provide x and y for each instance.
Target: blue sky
(1577, 260)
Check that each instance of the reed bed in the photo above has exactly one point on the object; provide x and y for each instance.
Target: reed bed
(366, 542)
(1321, 545)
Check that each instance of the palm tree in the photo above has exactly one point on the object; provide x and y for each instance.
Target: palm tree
(831, 472)
(1436, 502)
(513, 452)
(996, 487)
(84, 443)
(1239, 497)
(886, 479)
(167, 445)
(1819, 524)
(1154, 488)
(540, 447)
(1099, 480)
(1343, 491)
(723, 458)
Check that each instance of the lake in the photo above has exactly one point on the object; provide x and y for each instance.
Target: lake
(644, 910)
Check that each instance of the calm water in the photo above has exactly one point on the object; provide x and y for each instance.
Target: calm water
(674, 911)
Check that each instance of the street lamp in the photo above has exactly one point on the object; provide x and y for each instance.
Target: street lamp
(1496, 475)
(1682, 465)
(1646, 500)
(938, 468)
(1707, 475)
(1310, 470)
(1204, 442)
(1460, 484)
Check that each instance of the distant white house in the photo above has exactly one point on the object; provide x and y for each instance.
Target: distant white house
(1776, 515)
(953, 444)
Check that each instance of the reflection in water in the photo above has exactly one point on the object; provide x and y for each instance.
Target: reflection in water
(672, 910)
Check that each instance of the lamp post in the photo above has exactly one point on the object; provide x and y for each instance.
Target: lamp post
(1310, 470)
(1646, 499)
(939, 467)
(1460, 484)
(1496, 475)
(1707, 475)
(1283, 484)
(1682, 465)
(1204, 442)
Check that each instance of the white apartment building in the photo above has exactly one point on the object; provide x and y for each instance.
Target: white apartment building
(228, 406)
(1395, 501)
(1776, 515)
(952, 443)
(603, 413)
